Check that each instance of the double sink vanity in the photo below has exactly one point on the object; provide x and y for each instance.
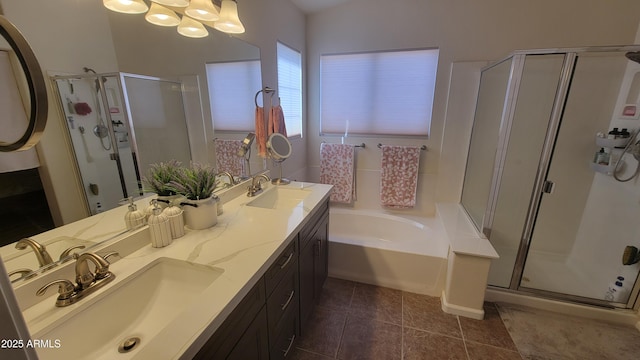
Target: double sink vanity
(243, 289)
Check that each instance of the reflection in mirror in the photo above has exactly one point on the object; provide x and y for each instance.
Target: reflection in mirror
(98, 128)
(140, 48)
(279, 148)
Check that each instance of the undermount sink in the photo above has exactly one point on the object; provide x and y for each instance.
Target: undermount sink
(136, 309)
(280, 198)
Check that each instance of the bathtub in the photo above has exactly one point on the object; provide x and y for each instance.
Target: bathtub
(408, 253)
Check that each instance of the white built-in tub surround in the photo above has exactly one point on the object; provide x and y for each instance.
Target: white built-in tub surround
(402, 252)
(470, 256)
(241, 247)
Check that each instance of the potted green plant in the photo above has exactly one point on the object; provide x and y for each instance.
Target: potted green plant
(158, 179)
(197, 183)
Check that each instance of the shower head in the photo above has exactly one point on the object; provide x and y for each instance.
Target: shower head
(633, 56)
(97, 81)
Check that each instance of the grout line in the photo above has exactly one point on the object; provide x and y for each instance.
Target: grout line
(464, 341)
(344, 326)
(402, 325)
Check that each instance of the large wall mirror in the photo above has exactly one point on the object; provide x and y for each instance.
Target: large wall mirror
(131, 46)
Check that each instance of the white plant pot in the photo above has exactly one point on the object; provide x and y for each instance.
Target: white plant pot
(202, 216)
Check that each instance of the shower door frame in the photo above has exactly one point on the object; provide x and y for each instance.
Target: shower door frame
(115, 154)
(568, 67)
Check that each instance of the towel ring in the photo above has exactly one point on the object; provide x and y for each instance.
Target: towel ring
(267, 90)
(423, 147)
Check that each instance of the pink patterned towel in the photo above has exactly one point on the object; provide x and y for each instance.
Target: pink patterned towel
(399, 176)
(276, 121)
(227, 158)
(337, 168)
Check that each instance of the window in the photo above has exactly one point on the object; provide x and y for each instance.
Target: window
(385, 93)
(232, 87)
(290, 88)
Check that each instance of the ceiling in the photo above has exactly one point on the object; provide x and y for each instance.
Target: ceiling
(310, 6)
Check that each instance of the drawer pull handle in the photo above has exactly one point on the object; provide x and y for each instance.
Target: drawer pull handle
(287, 261)
(286, 303)
(286, 352)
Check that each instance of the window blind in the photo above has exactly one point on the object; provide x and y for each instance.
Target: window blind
(290, 87)
(232, 87)
(379, 93)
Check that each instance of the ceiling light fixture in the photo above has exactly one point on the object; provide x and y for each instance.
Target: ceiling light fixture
(191, 28)
(176, 3)
(126, 6)
(229, 21)
(160, 15)
(202, 10)
(225, 20)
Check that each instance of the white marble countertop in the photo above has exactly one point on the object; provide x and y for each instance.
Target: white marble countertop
(243, 244)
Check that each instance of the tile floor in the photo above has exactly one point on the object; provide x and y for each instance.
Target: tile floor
(359, 321)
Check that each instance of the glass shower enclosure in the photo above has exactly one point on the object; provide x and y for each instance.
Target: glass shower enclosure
(118, 124)
(559, 217)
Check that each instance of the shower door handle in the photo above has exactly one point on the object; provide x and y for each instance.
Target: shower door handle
(548, 187)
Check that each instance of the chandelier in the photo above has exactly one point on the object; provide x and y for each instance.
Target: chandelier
(195, 14)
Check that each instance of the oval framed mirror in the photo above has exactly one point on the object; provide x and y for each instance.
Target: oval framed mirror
(38, 104)
(279, 148)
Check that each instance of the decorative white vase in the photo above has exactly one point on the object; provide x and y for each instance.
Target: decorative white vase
(200, 214)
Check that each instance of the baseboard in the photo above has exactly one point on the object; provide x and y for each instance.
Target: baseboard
(460, 310)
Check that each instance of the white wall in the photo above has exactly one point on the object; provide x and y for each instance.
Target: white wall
(464, 31)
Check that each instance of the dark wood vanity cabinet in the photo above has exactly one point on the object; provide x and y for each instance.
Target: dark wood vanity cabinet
(313, 263)
(268, 321)
(244, 334)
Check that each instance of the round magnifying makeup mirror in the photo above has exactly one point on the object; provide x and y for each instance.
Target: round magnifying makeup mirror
(37, 89)
(279, 148)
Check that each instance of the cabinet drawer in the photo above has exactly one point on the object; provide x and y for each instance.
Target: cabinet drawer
(284, 298)
(284, 263)
(282, 346)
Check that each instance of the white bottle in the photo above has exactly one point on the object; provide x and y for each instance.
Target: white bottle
(176, 221)
(159, 228)
(616, 291)
(134, 217)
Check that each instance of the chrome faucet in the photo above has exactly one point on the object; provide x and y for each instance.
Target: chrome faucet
(86, 281)
(256, 188)
(40, 250)
(232, 181)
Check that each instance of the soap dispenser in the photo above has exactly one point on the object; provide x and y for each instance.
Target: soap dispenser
(176, 221)
(134, 217)
(159, 227)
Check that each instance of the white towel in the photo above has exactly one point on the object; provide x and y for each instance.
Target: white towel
(13, 121)
(399, 176)
(337, 168)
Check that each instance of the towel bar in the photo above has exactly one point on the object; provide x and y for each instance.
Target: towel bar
(423, 147)
(358, 146)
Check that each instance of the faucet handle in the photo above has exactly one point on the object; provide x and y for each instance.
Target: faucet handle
(110, 254)
(24, 273)
(65, 288)
(68, 251)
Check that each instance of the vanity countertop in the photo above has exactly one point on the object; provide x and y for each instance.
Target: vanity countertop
(243, 244)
